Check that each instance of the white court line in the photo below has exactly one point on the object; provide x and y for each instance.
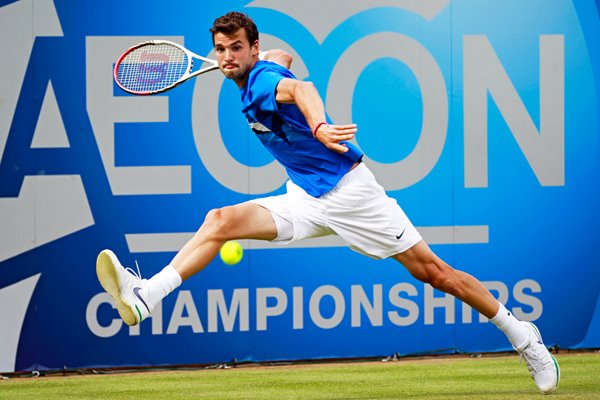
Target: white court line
(172, 242)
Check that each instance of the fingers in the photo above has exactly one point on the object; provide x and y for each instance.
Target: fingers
(337, 147)
(343, 129)
(349, 126)
(332, 135)
(335, 142)
(340, 132)
(342, 138)
(340, 148)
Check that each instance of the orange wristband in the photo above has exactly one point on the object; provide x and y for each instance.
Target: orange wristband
(314, 132)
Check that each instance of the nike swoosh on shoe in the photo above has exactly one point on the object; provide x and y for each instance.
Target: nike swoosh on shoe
(136, 291)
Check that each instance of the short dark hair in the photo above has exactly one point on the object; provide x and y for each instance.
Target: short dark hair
(232, 22)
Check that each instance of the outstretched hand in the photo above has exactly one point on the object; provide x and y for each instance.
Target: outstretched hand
(332, 135)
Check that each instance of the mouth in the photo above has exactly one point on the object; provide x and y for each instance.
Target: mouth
(229, 66)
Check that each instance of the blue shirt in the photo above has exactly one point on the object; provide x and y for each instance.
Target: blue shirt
(283, 130)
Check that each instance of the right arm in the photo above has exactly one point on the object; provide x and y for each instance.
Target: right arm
(308, 100)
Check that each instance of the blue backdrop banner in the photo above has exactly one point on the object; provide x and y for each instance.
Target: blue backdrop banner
(481, 118)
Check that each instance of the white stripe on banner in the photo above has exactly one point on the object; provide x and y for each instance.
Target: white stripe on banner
(172, 242)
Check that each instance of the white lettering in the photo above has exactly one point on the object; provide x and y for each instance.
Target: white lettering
(315, 307)
(239, 304)
(263, 310)
(536, 304)
(184, 302)
(483, 74)
(91, 316)
(326, 308)
(405, 304)
(298, 298)
(373, 310)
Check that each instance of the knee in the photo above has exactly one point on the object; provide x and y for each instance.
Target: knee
(218, 223)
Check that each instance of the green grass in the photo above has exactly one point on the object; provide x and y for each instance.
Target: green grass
(487, 377)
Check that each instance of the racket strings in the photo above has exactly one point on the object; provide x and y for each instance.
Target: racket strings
(152, 68)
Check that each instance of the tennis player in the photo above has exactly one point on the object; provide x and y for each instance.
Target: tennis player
(330, 191)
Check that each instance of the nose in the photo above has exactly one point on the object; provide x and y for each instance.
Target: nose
(228, 56)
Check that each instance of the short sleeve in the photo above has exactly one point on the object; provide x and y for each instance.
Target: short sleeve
(262, 89)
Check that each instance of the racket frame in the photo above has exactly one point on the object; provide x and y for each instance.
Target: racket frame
(212, 65)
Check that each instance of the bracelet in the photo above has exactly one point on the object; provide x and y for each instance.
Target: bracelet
(314, 132)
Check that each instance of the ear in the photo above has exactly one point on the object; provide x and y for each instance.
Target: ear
(255, 47)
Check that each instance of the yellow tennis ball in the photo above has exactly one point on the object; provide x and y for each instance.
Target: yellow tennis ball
(231, 253)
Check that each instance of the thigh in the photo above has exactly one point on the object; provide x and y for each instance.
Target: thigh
(297, 215)
(249, 221)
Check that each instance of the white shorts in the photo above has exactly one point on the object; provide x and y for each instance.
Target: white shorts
(357, 209)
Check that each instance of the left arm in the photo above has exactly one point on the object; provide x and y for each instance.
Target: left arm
(278, 57)
(308, 100)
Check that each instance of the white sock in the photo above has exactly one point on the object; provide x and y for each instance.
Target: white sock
(516, 332)
(161, 284)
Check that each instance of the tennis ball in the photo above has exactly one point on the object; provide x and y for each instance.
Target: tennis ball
(231, 253)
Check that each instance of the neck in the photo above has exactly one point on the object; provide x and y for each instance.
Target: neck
(241, 82)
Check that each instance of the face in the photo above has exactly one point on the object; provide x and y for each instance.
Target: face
(235, 55)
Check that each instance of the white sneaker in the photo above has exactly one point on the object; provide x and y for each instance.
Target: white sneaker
(541, 364)
(125, 286)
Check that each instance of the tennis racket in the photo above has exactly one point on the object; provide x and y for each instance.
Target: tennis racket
(156, 66)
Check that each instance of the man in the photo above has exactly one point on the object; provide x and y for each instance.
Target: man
(330, 191)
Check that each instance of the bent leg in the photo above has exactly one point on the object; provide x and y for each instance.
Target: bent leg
(427, 267)
(242, 221)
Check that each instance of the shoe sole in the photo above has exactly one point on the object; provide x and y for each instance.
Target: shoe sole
(539, 336)
(109, 279)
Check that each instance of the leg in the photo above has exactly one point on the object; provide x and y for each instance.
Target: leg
(379, 228)
(424, 265)
(242, 221)
(135, 298)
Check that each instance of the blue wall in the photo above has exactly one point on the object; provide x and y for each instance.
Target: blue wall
(479, 117)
